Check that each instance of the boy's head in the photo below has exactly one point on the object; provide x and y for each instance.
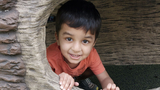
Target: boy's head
(79, 14)
(77, 27)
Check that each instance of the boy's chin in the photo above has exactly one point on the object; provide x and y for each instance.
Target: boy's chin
(75, 62)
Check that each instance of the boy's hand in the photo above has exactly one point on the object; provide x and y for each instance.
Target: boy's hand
(66, 81)
(111, 87)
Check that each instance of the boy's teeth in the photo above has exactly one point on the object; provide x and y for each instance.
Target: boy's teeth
(75, 55)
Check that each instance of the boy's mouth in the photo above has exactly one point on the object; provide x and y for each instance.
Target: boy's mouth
(75, 56)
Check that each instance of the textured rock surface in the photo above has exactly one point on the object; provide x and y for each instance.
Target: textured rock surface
(8, 37)
(12, 69)
(33, 15)
(129, 33)
(23, 63)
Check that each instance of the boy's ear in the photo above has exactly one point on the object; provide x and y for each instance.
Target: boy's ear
(94, 43)
(57, 39)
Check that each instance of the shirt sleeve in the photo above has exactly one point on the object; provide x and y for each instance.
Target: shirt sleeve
(50, 56)
(96, 64)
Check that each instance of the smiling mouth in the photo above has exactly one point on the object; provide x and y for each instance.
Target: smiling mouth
(75, 56)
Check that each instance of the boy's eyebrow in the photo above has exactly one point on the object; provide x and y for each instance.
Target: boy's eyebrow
(66, 33)
(89, 37)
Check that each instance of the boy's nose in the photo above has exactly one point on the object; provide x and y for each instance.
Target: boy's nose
(76, 47)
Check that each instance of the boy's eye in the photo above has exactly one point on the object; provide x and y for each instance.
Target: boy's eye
(69, 39)
(85, 41)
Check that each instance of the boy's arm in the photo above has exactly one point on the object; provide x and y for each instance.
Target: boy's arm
(106, 82)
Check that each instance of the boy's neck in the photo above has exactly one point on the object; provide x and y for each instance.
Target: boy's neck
(71, 65)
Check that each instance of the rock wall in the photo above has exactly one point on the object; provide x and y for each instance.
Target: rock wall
(12, 68)
(129, 34)
(23, 63)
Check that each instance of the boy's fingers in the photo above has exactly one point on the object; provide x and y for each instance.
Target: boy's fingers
(76, 84)
(109, 86)
(71, 85)
(66, 86)
(117, 88)
(60, 80)
(62, 86)
(68, 83)
(113, 87)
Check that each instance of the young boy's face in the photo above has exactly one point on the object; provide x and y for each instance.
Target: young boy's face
(75, 44)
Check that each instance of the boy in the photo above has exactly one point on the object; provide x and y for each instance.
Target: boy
(73, 56)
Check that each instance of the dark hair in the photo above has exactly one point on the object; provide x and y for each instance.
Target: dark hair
(79, 14)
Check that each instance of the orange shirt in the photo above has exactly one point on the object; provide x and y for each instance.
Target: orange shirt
(58, 65)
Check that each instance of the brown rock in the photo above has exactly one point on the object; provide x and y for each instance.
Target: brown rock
(12, 86)
(9, 37)
(8, 20)
(10, 49)
(7, 4)
(11, 78)
(12, 65)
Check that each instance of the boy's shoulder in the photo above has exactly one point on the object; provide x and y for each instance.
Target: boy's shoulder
(93, 54)
(93, 51)
(53, 46)
(53, 49)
